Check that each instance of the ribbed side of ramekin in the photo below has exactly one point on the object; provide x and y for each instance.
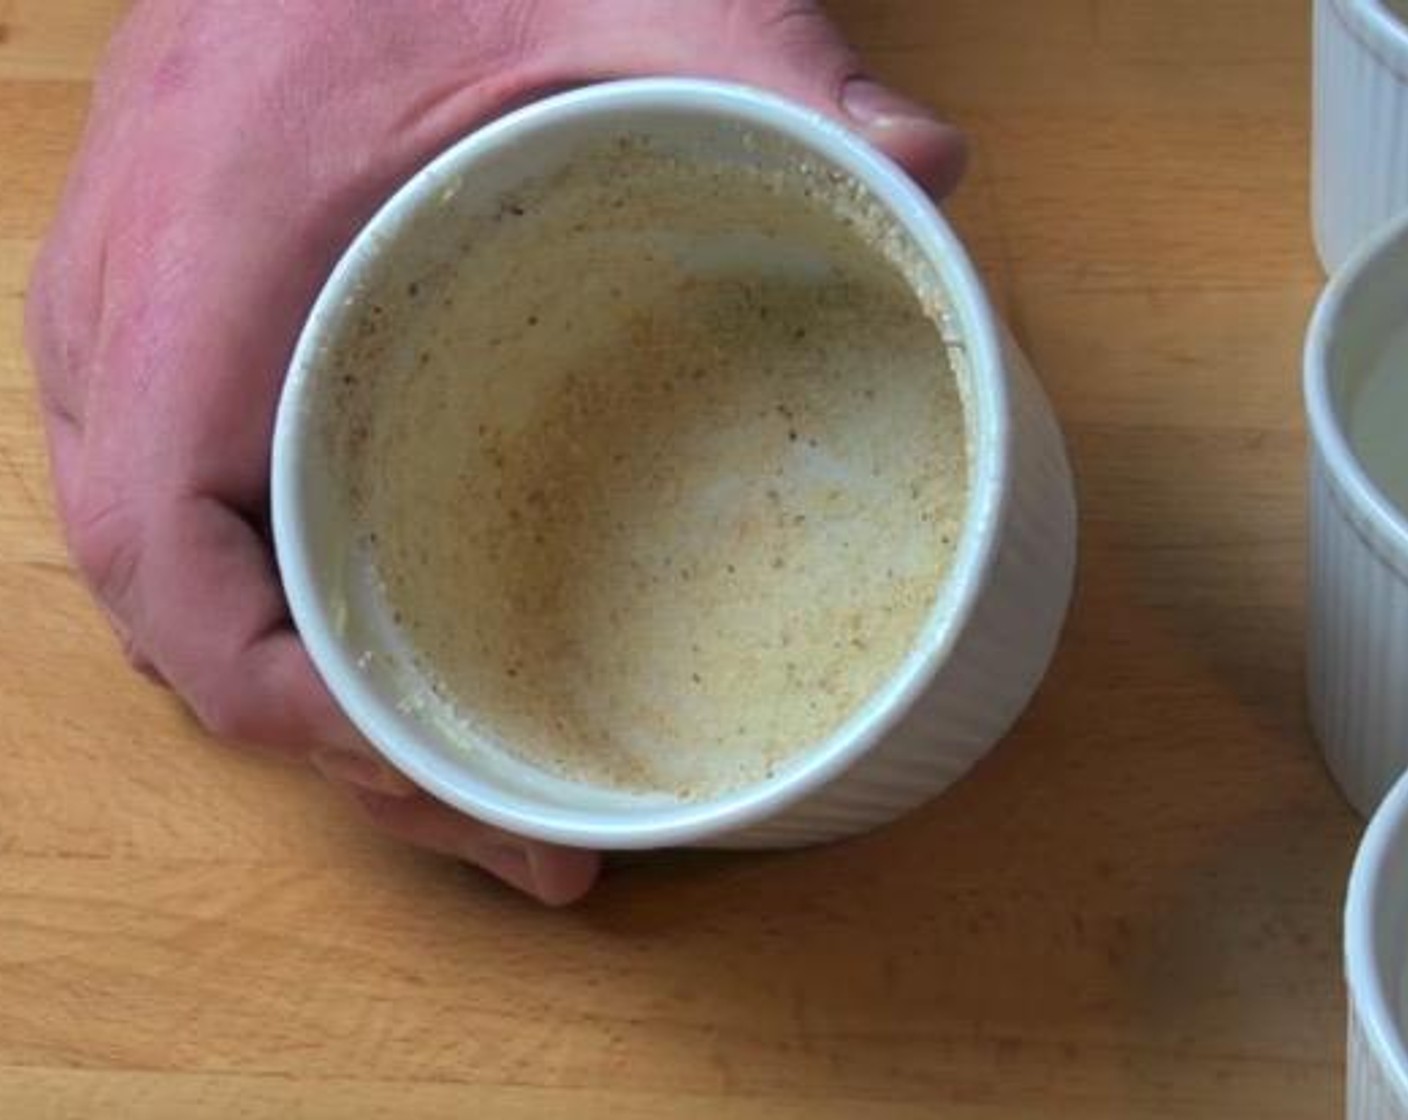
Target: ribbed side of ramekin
(993, 670)
(1360, 162)
(1358, 648)
(1369, 1093)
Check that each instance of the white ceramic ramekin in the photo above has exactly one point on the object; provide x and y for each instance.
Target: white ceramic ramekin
(993, 628)
(1376, 965)
(1358, 648)
(1360, 161)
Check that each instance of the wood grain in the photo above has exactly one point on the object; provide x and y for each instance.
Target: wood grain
(1131, 910)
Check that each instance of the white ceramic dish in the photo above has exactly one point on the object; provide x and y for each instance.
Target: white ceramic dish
(1358, 646)
(986, 645)
(1360, 160)
(1376, 964)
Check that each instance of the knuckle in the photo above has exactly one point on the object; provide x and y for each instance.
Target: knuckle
(39, 316)
(518, 30)
(384, 812)
(137, 658)
(409, 819)
(43, 325)
(797, 38)
(106, 546)
(56, 320)
(224, 712)
(789, 20)
(772, 13)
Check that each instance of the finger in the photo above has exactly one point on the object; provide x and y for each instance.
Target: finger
(554, 875)
(202, 601)
(788, 46)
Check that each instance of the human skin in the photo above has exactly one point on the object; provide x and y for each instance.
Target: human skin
(232, 151)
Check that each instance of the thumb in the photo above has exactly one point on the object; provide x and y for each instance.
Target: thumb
(795, 49)
(787, 46)
(934, 152)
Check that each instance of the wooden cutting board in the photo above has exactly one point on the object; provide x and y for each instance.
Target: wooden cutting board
(1131, 910)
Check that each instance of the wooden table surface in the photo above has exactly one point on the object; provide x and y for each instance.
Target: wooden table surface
(1130, 910)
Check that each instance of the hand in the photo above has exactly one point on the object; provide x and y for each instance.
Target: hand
(232, 152)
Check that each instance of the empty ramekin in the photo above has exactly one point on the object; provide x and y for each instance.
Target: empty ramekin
(1357, 671)
(982, 652)
(1360, 160)
(1376, 965)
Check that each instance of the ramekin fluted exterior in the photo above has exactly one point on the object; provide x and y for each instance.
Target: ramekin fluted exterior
(1376, 966)
(996, 666)
(1360, 147)
(1358, 650)
(1369, 1093)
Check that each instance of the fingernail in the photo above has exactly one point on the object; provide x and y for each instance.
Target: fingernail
(357, 768)
(870, 103)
